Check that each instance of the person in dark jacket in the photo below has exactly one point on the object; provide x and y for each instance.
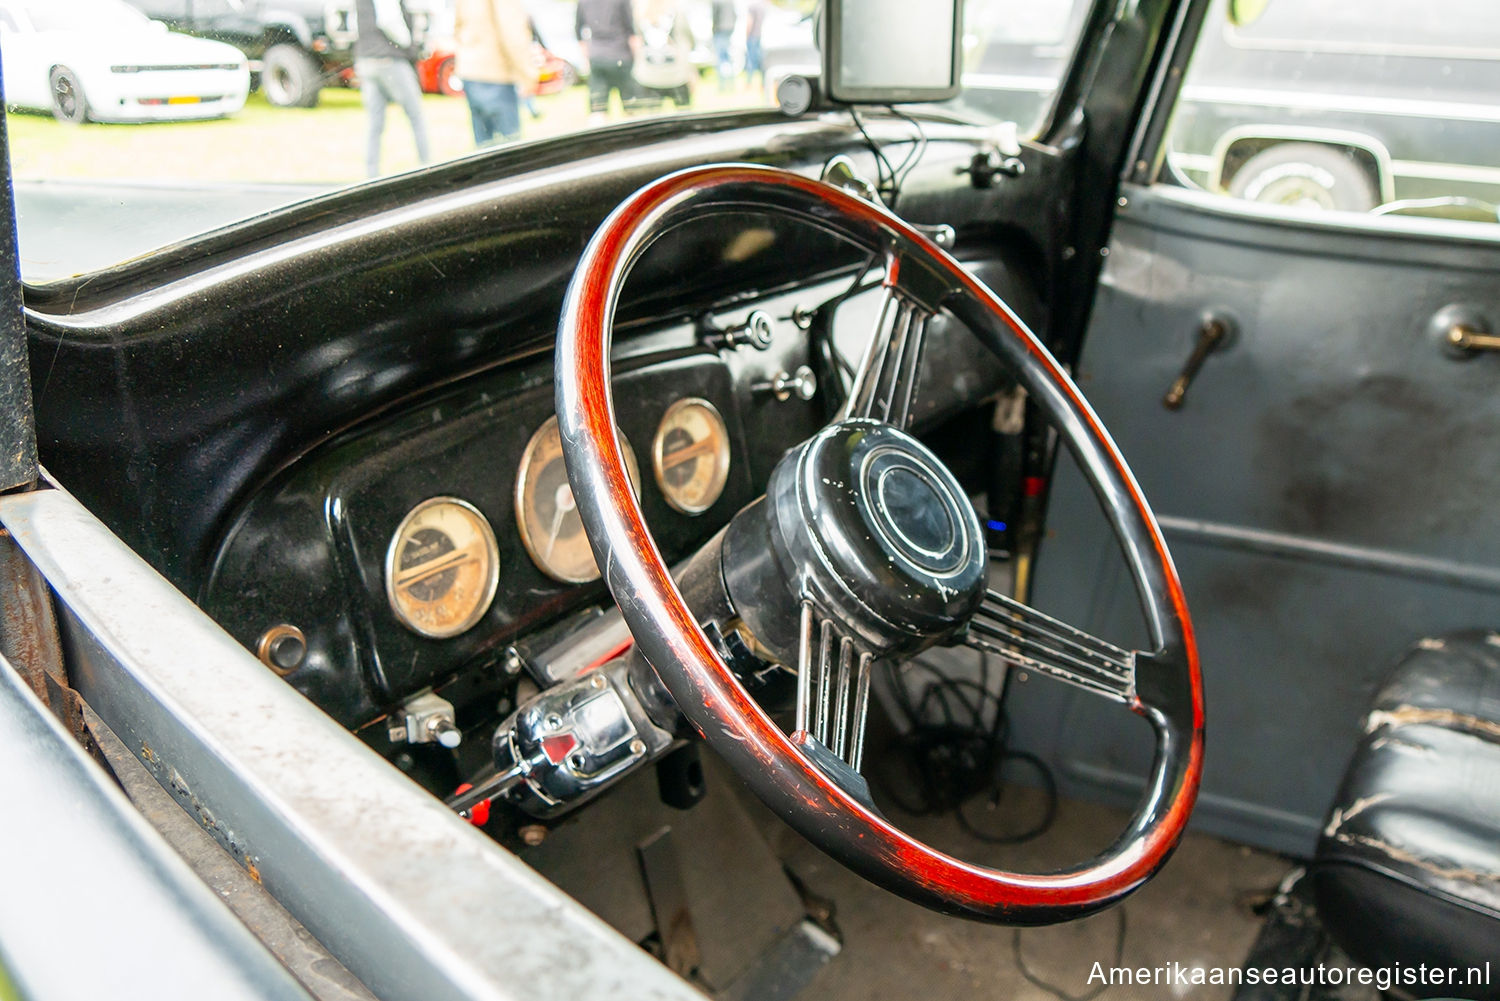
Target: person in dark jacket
(383, 54)
(606, 31)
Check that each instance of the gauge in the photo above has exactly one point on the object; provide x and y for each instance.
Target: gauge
(551, 528)
(442, 567)
(691, 455)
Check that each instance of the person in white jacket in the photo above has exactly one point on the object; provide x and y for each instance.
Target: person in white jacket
(383, 54)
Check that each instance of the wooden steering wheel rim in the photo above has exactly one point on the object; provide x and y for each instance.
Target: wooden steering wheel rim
(1169, 687)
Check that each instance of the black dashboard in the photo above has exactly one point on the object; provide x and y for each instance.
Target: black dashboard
(313, 553)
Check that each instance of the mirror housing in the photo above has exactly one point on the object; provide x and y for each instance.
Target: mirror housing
(892, 51)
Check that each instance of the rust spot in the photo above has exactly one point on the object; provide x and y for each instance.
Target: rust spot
(253, 870)
(147, 753)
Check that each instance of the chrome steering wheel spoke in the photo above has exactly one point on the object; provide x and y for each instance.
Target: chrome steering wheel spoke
(1034, 641)
(833, 702)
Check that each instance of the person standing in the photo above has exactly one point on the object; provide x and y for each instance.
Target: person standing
(664, 63)
(383, 54)
(606, 31)
(493, 57)
(724, 18)
(755, 23)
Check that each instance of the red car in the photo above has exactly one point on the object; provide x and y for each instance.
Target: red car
(435, 72)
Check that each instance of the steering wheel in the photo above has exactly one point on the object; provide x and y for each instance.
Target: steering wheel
(865, 549)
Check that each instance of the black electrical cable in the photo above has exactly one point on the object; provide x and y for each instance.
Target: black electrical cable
(821, 331)
(1058, 992)
(913, 156)
(885, 174)
(953, 751)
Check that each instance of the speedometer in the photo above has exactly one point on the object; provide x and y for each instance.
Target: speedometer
(546, 514)
(690, 455)
(442, 567)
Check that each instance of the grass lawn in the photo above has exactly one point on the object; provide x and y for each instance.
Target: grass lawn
(261, 143)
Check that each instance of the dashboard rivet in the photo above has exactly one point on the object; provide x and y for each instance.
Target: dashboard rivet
(638, 746)
(512, 662)
(598, 681)
(532, 835)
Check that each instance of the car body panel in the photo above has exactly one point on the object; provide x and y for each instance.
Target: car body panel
(190, 77)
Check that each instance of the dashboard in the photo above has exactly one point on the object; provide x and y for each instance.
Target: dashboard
(412, 552)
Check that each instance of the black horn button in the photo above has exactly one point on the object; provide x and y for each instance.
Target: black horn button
(910, 512)
(871, 526)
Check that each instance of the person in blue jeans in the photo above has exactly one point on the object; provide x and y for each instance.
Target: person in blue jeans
(383, 54)
(724, 18)
(755, 22)
(493, 56)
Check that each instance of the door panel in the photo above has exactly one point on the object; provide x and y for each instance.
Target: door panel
(1330, 486)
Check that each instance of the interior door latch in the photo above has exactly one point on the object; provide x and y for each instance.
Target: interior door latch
(1212, 335)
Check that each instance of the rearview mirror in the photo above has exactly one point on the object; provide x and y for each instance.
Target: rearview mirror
(892, 51)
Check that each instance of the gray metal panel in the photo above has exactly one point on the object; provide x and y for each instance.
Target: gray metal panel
(96, 904)
(1328, 487)
(415, 902)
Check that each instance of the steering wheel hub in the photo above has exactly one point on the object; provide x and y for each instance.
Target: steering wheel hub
(867, 523)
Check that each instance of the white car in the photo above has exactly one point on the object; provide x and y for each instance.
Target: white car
(99, 60)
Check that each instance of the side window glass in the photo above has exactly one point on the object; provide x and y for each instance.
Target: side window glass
(1389, 107)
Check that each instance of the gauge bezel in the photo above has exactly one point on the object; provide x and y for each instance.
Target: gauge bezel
(720, 454)
(491, 581)
(523, 475)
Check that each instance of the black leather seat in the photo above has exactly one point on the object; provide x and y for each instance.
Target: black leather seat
(1408, 867)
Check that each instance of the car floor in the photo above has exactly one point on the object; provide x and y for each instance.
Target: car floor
(1198, 912)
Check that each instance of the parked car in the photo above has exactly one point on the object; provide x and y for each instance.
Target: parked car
(295, 47)
(100, 60)
(744, 554)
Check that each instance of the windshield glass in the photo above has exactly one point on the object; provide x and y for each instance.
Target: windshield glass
(124, 142)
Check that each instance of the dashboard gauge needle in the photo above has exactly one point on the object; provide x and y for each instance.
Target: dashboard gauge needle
(564, 505)
(697, 448)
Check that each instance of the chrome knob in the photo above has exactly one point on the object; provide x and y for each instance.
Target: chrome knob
(756, 332)
(802, 384)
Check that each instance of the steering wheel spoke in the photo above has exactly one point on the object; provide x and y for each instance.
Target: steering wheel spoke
(885, 382)
(1037, 642)
(833, 687)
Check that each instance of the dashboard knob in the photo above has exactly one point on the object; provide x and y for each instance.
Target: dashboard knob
(802, 384)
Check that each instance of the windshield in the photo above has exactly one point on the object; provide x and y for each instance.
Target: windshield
(124, 144)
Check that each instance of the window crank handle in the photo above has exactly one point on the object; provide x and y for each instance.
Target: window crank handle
(1211, 336)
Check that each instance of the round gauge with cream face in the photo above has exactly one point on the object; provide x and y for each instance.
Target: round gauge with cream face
(551, 528)
(442, 568)
(690, 455)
